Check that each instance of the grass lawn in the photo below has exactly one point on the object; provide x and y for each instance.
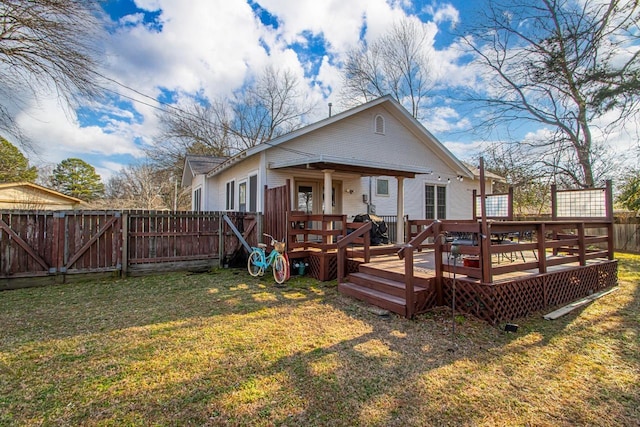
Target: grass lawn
(223, 348)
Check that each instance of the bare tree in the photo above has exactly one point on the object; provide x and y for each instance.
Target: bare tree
(272, 106)
(190, 128)
(397, 63)
(268, 107)
(520, 171)
(144, 186)
(569, 66)
(45, 45)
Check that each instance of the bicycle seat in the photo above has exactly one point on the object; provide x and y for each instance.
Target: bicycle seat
(262, 245)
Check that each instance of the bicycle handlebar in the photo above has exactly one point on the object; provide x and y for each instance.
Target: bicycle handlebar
(273, 240)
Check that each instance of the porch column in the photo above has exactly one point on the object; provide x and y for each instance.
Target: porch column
(400, 211)
(328, 206)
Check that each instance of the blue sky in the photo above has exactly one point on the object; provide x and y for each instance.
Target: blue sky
(167, 49)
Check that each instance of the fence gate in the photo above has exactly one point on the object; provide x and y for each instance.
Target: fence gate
(40, 244)
(277, 204)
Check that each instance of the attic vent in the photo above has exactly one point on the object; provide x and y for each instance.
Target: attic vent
(379, 124)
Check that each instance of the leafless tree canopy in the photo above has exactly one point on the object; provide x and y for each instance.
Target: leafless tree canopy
(190, 128)
(271, 106)
(571, 66)
(144, 186)
(397, 63)
(45, 45)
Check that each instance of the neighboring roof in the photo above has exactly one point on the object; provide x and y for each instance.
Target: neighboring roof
(399, 112)
(198, 165)
(487, 174)
(41, 189)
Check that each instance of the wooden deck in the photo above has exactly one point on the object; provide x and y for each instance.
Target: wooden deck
(520, 267)
(495, 280)
(381, 282)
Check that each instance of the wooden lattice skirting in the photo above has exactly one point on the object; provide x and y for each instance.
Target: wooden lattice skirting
(498, 302)
(324, 266)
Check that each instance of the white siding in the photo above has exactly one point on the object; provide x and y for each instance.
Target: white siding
(198, 183)
(459, 196)
(238, 173)
(355, 138)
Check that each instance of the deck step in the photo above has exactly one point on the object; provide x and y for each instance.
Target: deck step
(372, 296)
(396, 276)
(382, 284)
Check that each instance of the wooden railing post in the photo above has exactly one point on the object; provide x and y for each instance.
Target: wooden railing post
(342, 260)
(406, 253)
(408, 281)
(438, 261)
(367, 247)
(542, 248)
(485, 252)
(582, 244)
(365, 232)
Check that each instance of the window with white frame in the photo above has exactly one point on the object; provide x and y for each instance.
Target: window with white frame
(230, 193)
(382, 187)
(242, 196)
(435, 197)
(197, 200)
(379, 124)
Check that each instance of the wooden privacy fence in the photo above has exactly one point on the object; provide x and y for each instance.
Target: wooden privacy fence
(38, 247)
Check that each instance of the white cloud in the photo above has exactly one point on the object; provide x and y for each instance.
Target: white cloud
(209, 47)
(58, 136)
(464, 151)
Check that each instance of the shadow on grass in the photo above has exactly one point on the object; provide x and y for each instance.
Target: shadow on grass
(109, 305)
(223, 348)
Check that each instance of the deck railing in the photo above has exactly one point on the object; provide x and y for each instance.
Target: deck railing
(361, 235)
(406, 253)
(577, 241)
(315, 231)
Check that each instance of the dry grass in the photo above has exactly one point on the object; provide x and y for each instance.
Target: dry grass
(223, 348)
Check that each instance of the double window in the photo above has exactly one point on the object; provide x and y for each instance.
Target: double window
(435, 197)
(247, 195)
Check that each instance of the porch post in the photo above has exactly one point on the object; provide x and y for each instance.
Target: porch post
(400, 211)
(328, 206)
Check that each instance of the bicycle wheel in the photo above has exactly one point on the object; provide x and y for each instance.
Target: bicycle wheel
(280, 269)
(288, 264)
(254, 264)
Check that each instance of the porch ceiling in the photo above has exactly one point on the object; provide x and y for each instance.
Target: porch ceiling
(356, 166)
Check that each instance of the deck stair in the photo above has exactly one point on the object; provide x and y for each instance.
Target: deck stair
(384, 288)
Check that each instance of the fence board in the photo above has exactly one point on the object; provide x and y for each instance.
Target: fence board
(34, 244)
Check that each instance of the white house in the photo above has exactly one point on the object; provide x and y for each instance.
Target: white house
(362, 159)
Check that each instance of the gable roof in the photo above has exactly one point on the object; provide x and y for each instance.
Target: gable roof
(41, 189)
(393, 107)
(487, 174)
(198, 165)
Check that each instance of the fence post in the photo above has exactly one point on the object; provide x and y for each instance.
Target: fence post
(610, 220)
(218, 215)
(124, 244)
(59, 246)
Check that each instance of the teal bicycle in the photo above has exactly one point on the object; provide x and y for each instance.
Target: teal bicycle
(258, 260)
